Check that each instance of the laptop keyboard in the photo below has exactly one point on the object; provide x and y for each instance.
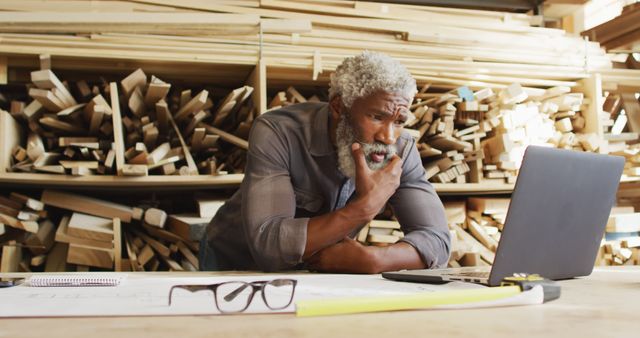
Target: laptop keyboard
(477, 274)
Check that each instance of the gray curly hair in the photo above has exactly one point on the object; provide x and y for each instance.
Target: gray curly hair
(363, 74)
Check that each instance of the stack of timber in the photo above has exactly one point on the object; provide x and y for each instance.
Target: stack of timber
(476, 225)
(292, 96)
(620, 32)
(465, 136)
(621, 245)
(621, 128)
(145, 128)
(63, 231)
(308, 39)
(380, 233)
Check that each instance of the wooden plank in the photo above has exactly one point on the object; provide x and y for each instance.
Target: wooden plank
(489, 205)
(159, 153)
(3, 70)
(188, 254)
(158, 23)
(258, 80)
(135, 170)
(57, 258)
(189, 227)
(48, 99)
(62, 126)
(192, 106)
(62, 236)
(632, 110)
(208, 207)
(156, 92)
(13, 222)
(481, 235)
(156, 245)
(485, 253)
(155, 217)
(46, 79)
(88, 205)
(117, 244)
(191, 164)
(118, 136)
(11, 135)
(592, 89)
(11, 258)
(384, 224)
(226, 136)
(137, 79)
(133, 256)
(90, 227)
(624, 223)
(27, 201)
(145, 255)
(89, 256)
(42, 241)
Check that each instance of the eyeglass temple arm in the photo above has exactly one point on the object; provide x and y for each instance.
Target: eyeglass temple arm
(233, 294)
(191, 288)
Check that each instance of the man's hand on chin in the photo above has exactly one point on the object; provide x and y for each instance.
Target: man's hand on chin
(346, 256)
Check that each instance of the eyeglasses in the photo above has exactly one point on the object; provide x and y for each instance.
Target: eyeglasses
(235, 296)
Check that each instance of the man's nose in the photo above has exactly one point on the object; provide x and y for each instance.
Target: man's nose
(386, 134)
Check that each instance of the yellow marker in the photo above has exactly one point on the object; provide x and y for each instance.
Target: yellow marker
(323, 307)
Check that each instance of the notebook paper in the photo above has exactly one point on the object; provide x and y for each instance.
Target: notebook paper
(76, 280)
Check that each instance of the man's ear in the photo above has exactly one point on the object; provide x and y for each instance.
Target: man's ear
(336, 106)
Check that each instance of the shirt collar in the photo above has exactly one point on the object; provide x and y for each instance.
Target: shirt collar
(320, 143)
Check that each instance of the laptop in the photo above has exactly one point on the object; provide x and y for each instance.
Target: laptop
(556, 219)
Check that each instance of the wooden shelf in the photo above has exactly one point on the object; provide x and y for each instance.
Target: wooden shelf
(200, 182)
(472, 188)
(116, 182)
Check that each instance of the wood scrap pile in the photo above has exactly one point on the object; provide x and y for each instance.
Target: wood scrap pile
(291, 96)
(64, 231)
(380, 233)
(621, 127)
(621, 245)
(143, 129)
(477, 223)
(475, 227)
(466, 136)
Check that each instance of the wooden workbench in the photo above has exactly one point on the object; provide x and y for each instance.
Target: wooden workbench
(605, 304)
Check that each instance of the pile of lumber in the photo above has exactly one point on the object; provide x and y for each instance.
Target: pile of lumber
(145, 128)
(63, 231)
(620, 32)
(475, 227)
(621, 129)
(308, 39)
(621, 245)
(465, 136)
(291, 96)
(380, 233)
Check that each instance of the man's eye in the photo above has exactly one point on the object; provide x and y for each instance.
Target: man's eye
(376, 117)
(401, 122)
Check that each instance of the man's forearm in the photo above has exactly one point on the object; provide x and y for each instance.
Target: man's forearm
(398, 256)
(330, 228)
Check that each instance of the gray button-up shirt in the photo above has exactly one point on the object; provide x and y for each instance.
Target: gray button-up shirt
(292, 175)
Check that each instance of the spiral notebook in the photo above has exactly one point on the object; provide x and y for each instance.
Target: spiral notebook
(76, 280)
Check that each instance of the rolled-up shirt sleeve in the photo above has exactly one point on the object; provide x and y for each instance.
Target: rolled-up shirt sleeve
(420, 212)
(275, 237)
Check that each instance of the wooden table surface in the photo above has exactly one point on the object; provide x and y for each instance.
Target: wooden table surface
(605, 304)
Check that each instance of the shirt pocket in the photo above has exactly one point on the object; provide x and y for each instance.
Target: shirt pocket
(307, 200)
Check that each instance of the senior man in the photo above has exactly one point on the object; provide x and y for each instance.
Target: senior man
(318, 172)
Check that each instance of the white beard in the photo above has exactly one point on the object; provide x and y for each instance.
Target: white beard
(345, 137)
